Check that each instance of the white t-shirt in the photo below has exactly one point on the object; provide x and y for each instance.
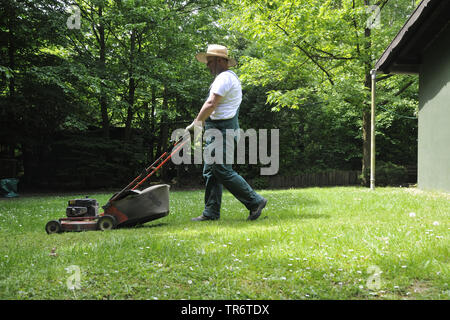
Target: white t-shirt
(228, 86)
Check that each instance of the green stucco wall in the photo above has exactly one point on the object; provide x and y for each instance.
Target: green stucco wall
(434, 116)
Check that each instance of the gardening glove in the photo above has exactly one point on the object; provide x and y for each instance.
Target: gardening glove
(195, 124)
(196, 127)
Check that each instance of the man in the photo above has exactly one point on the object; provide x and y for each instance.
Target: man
(220, 111)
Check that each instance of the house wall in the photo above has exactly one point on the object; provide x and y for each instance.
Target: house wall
(434, 116)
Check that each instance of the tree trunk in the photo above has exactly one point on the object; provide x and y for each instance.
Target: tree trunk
(102, 100)
(152, 126)
(366, 109)
(131, 88)
(164, 128)
(164, 131)
(147, 131)
(11, 52)
(8, 112)
(366, 146)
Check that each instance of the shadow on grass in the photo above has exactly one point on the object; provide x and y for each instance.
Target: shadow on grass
(293, 208)
(147, 225)
(269, 216)
(290, 209)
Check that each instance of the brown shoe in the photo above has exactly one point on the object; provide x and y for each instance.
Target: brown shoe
(254, 214)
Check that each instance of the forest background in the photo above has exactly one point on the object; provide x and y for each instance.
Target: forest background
(90, 90)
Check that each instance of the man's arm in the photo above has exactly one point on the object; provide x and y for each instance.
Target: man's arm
(208, 107)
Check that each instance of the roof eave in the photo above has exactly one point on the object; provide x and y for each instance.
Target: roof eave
(386, 63)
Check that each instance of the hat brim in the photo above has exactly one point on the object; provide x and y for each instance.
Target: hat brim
(202, 57)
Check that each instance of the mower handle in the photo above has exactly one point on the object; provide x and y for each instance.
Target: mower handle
(153, 167)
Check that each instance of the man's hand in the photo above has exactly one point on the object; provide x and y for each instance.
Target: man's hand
(196, 127)
(195, 124)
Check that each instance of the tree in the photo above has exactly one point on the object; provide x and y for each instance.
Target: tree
(317, 51)
(128, 65)
(36, 95)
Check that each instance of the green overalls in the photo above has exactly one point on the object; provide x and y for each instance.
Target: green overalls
(219, 175)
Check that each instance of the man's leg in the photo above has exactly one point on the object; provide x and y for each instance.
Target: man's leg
(237, 185)
(213, 193)
(219, 175)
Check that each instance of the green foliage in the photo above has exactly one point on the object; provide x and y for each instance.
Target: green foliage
(260, 182)
(388, 173)
(82, 161)
(305, 52)
(312, 138)
(131, 65)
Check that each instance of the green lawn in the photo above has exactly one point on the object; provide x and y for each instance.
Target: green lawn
(317, 243)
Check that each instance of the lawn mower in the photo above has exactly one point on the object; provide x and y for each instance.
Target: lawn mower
(127, 208)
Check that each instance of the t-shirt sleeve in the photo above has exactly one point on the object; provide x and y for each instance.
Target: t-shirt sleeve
(221, 85)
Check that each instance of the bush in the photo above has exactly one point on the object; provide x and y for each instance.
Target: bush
(389, 174)
(260, 183)
(86, 161)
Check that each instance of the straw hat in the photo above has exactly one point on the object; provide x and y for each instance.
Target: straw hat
(215, 50)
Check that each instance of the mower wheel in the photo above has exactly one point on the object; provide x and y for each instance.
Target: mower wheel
(106, 223)
(53, 226)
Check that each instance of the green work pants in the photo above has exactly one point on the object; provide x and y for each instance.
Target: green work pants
(222, 175)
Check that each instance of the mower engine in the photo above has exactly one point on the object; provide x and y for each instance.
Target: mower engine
(82, 208)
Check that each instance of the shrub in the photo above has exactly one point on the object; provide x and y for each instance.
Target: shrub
(390, 174)
(260, 183)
